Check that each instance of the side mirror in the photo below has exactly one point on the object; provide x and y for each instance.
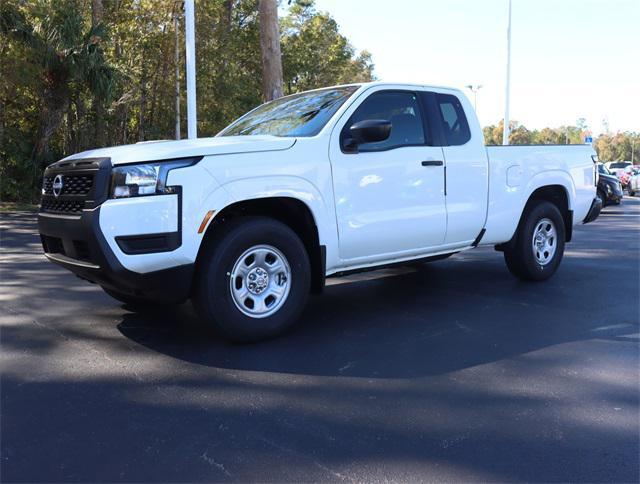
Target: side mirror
(367, 131)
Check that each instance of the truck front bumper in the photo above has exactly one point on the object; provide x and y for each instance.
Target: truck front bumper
(78, 244)
(594, 211)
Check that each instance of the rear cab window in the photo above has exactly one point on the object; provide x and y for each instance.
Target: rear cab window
(453, 120)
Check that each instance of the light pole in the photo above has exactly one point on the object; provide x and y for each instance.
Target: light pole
(190, 41)
(505, 129)
(633, 144)
(474, 88)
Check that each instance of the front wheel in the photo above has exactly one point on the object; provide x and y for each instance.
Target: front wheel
(253, 279)
(539, 245)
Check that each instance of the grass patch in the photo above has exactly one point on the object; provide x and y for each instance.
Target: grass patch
(6, 207)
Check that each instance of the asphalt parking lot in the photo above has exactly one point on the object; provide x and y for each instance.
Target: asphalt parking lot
(451, 371)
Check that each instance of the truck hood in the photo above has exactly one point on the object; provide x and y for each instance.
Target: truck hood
(165, 150)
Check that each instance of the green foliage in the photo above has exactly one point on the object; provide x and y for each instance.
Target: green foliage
(49, 52)
(68, 85)
(316, 54)
(618, 147)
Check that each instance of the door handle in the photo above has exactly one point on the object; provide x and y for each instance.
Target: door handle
(433, 163)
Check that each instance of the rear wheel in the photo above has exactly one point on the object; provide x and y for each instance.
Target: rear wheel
(539, 244)
(253, 279)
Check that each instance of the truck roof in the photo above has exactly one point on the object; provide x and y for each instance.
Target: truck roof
(384, 83)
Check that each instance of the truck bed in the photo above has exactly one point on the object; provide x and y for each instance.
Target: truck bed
(514, 171)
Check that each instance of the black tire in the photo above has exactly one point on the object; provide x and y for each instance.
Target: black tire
(212, 296)
(521, 258)
(602, 197)
(135, 302)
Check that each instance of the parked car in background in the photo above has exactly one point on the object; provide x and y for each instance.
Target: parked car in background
(633, 186)
(609, 187)
(620, 169)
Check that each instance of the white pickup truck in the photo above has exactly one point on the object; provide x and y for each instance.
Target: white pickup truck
(318, 184)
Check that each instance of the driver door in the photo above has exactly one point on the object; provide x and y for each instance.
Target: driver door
(389, 195)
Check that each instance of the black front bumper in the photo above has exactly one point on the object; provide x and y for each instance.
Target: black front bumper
(594, 211)
(77, 244)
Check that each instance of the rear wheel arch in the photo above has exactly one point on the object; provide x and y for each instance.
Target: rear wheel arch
(288, 210)
(556, 194)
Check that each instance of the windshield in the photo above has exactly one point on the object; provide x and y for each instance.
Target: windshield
(618, 165)
(603, 169)
(302, 114)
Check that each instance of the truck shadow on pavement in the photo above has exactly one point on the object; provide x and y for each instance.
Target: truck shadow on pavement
(444, 317)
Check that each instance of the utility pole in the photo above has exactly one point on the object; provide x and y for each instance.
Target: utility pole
(633, 144)
(505, 129)
(474, 88)
(190, 41)
(176, 27)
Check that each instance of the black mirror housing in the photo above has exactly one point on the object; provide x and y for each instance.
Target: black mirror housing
(370, 130)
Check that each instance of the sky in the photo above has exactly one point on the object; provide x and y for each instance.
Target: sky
(570, 59)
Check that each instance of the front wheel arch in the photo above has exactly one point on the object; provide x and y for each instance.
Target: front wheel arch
(290, 211)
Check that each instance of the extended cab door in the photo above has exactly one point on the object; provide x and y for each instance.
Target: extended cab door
(456, 128)
(389, 195)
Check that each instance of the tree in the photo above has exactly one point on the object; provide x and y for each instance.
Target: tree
(520, 135)
(315, 54)
(270, 49)
(56, 37)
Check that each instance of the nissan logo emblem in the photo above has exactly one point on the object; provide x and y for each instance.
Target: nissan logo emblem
(57, 186)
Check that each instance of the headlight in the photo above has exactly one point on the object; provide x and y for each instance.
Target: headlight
(609, 189)
(145, 178)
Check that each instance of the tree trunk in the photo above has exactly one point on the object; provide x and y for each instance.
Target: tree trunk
(227, 6)
(81, 124)
(270, 48)
(159, 76)
(55, 101)
(143, 102)
(97, 13)
(176, 27)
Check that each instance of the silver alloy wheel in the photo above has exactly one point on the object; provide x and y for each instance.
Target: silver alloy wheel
(260, 281)
(544, 241)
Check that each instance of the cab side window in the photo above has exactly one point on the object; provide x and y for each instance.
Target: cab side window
(398, 107)
(453, 120)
